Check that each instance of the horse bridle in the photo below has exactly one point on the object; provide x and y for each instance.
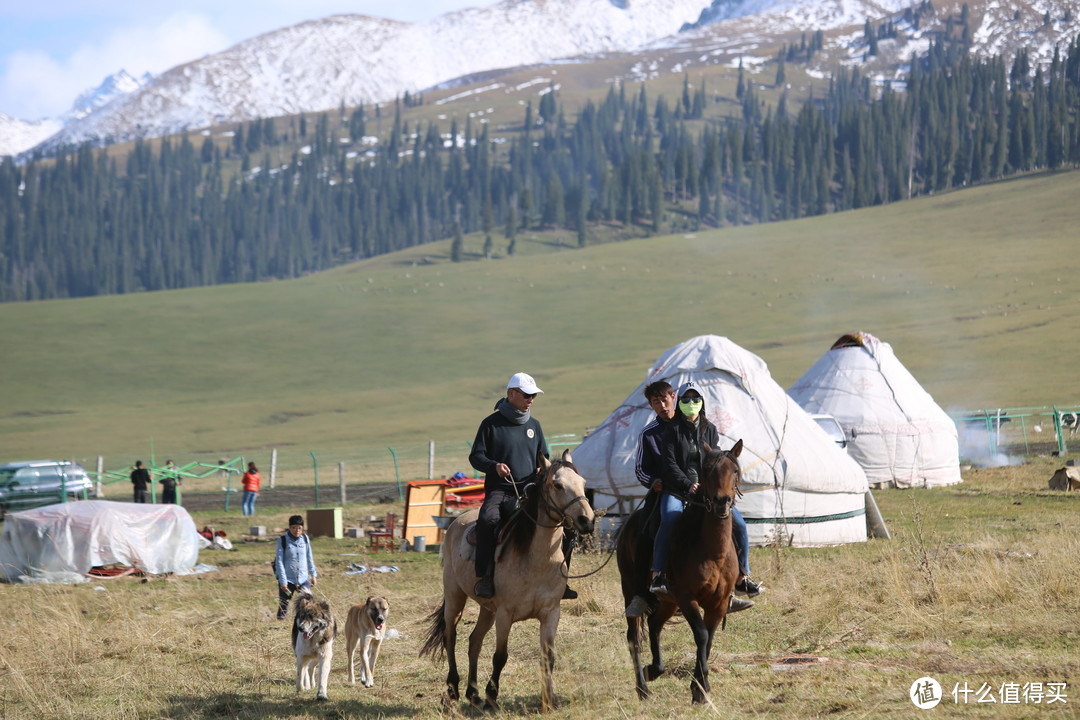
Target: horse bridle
(564, 519)
(707, 502)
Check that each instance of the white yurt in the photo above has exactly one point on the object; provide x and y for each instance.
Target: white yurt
(895, 430)
(799, 486)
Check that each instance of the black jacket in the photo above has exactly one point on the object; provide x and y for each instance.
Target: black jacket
(140, 478)
(500, 441)
(680, 436)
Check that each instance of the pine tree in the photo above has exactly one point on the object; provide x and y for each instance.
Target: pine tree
(457, 244)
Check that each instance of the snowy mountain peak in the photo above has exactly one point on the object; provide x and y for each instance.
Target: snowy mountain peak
(115, 85)
(321, 64)
(351, 59)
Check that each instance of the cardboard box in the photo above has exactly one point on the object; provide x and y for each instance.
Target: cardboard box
(325, 522)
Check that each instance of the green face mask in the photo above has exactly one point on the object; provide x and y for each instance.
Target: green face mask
(690, 408)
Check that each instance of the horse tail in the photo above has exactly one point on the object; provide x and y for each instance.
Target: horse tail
(435, 643)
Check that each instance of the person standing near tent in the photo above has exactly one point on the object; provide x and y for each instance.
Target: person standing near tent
(682, 443)
(294, 565)
(169, 480)
(508, 444)
(251, 482)
(140, 481)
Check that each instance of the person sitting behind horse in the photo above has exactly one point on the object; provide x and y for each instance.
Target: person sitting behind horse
(681, 445)
(506, 449)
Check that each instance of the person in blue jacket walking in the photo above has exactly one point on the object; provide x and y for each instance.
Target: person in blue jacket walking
(294, 565)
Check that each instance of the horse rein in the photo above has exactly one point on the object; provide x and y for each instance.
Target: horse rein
(564, 520)
(707, 503)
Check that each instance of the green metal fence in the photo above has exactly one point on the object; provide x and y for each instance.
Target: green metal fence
(325, 470)
(1009, 433)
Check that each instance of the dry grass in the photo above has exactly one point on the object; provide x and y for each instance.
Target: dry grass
(977, 585)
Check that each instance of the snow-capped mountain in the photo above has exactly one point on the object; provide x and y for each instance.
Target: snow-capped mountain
(320, 64)
(18, 135)
(116, 85)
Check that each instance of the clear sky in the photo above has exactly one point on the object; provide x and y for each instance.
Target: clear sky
(52, 50)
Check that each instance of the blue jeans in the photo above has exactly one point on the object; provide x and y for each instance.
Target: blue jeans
(742, 540)
(248, 504)
(671, 507)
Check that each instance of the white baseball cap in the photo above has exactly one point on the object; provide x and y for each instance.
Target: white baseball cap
(524, 382)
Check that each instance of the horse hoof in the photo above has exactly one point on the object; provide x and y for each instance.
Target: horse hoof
(321, 698)
(651, 672)
(492, 705)
(643, 693)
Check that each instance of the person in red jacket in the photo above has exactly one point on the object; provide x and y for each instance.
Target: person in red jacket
(251, 482)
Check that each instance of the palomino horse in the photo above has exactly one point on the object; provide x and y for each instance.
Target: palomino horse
(530, 578)
(701, 575)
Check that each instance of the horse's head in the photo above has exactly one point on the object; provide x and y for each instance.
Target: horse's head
(562, 491)
(720, 479)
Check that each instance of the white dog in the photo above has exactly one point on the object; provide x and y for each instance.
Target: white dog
(313, 632)
(366, 627)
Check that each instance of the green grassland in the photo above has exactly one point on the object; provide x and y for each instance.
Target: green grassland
(976, 585)
(973, 289)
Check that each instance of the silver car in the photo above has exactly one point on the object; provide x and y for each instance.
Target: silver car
(41, 482)
(832, 428)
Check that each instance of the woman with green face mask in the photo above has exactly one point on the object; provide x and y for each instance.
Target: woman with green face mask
(685, 435)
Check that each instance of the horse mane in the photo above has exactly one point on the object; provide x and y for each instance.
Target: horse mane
(520, 534)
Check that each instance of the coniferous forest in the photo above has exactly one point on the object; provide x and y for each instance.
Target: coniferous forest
(190, 213)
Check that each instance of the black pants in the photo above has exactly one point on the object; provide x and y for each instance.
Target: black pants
(649, 523)
(498, 504)
(168, 495)
(284, 598)
(142, 496)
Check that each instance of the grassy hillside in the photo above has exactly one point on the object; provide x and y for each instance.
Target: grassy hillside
(972, 289)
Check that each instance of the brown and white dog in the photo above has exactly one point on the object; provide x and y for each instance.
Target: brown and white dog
(366, 627)
(313, 632)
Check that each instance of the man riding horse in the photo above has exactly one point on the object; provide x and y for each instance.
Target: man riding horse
(508, 444)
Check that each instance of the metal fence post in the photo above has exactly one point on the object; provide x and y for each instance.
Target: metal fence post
(315, 464)
(431, 460)
(273, 466)
(228, 485)
(397, 473)
(341, 480)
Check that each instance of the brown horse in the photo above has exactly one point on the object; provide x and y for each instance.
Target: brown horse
(530, 577)
(701, 575)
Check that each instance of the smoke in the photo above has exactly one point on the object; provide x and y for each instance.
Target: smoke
(980, 446)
